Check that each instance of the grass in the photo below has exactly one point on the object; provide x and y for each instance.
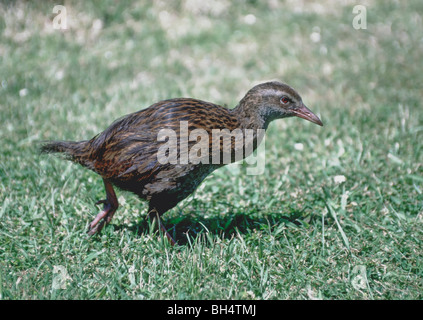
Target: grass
(291, 233)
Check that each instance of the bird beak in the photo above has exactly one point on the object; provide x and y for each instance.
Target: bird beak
(305, 113)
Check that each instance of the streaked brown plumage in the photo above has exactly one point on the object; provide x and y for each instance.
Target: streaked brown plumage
(126, 153)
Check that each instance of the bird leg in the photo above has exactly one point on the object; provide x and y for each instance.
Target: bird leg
(105, 216)
(153, 214)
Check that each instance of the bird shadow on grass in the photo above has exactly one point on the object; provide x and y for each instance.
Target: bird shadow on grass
(187, 227)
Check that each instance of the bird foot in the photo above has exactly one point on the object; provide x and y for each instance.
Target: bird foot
(101, 219)
(105, 216)
(168, 236)
(155, 217)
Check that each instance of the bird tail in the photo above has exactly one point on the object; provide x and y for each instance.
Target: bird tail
(73, 151)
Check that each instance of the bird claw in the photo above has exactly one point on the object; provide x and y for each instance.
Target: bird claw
(93, 229)
(98, 223)
(104, 201)
(102, 218)
(155, 217)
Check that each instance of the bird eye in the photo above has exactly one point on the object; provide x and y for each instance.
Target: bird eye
(285, 99)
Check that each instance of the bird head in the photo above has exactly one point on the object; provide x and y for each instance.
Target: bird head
(274, 100)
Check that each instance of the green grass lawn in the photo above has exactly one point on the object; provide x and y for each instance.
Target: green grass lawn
(294, 232)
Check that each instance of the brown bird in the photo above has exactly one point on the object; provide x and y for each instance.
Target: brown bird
(156, 152)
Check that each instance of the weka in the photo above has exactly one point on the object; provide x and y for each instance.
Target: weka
(126, 154)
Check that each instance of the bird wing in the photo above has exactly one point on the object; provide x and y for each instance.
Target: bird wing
(128, 146)
(128, 149)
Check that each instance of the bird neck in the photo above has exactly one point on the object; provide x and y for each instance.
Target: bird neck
(250, 118)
